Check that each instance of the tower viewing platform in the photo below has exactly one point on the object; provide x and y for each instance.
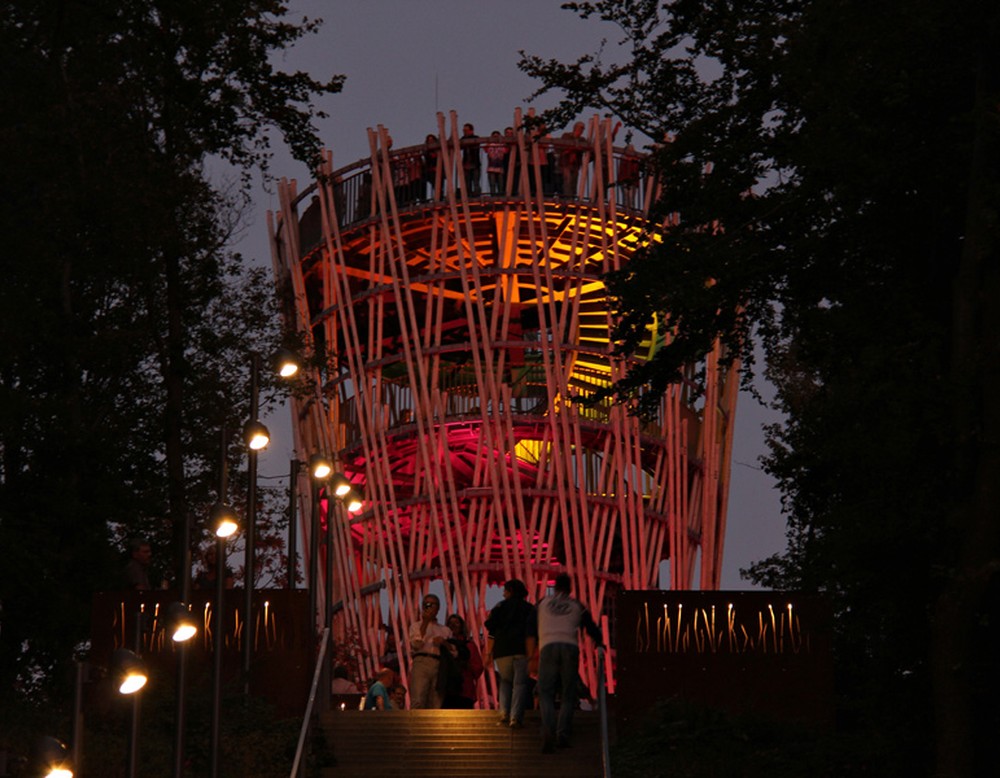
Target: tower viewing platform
(453, 294)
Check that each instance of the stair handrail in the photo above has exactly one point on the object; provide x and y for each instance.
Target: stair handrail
(307, 718)
(602, 705)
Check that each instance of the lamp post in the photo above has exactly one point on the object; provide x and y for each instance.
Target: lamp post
(131, 676)
(225, 526)
(319, 470)
(256, 437)
(338, 491)
(181, 627)
(287, 364)
(224, 521)
(293, 498)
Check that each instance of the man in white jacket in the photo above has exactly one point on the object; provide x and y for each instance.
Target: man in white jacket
(560, 618)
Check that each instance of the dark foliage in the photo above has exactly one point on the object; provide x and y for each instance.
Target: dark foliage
(834, 167)
(128, 324)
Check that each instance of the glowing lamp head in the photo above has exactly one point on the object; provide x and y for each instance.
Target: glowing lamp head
(180, 623)
(52, 758)
(286, 363)
(224, 520)
(341, 486)
(256, 435)
(352, 501)
(129, 671)
(320, 467)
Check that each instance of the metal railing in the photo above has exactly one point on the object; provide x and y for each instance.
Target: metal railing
(420, 178)
(602, 706)
(324, 641)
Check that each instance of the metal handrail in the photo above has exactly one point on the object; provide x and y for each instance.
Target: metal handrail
(307, 719)
(602, 705)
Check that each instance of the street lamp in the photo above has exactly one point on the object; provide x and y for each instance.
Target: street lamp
(255, 436)
(320, 467)
(352, 501)
(129, 672)
(181, 627)
(293, 500)
(286, 363)
(224, 520)
(51, 758)
(225, 526)
(340, 485)
(339, 490)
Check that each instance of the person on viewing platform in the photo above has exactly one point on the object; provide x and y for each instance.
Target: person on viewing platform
(472, 165)
(497, 154)
(432, 152)
(136, 573)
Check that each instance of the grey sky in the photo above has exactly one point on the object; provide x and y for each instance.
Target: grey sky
(407, 59)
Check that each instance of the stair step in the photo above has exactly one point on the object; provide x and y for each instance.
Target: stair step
(461, 743)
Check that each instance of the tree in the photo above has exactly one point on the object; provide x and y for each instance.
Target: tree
(848, 222)
(128, 325)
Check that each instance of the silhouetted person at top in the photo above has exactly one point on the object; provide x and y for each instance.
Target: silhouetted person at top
(206, 578)
(471, 163)
(136, 573)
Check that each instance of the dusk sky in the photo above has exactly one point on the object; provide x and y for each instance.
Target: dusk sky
(405, 60)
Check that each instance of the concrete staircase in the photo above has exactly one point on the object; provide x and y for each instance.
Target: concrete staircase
(457, 743)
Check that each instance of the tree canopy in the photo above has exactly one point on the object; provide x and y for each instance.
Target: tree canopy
(128, 322)
(834, 170)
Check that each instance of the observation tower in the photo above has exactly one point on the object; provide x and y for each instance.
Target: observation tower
(458, 317)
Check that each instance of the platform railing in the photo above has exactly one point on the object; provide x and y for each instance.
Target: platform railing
(420, 179)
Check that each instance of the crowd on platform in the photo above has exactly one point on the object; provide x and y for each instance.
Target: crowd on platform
(558, 167)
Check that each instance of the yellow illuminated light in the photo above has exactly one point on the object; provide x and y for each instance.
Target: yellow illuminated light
(184, 632)
(132, 683)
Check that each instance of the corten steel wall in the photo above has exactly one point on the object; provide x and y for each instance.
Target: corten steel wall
(283, 640)
(765, 653)
(458, 328)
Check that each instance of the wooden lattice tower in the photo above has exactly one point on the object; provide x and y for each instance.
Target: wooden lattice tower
(458, 328)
